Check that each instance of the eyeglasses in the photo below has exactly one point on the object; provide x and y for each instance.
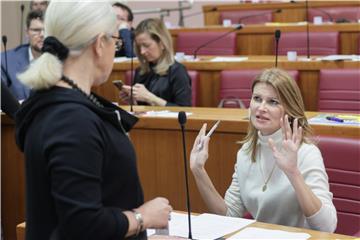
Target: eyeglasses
(37, 31)
(118, 42)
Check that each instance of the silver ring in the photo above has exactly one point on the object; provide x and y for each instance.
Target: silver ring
(169, 218)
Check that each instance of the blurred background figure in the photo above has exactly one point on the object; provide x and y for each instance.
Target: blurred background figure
(18, 59)
(36, 5)
(160, 80)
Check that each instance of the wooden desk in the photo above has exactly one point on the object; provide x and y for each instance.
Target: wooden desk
(209, 82)
(259, 39)
(160, 159)
(291, 12)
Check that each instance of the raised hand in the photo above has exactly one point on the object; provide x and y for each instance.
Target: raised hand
(199, 153)
(286, 157)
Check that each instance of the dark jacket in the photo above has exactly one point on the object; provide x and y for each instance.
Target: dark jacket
(127, 49)
(174, 86)
(17, 62)
(80, 166)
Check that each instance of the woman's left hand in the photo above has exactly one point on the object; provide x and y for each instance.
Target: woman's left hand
(286, 157)
(141, 93)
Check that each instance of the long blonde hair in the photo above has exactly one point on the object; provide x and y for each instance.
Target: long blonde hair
(290, 98)
(75, 25)
(159, 33)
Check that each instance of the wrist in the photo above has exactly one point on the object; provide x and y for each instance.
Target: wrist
(140, 221)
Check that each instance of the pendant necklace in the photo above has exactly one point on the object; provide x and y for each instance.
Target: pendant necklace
(262, 174)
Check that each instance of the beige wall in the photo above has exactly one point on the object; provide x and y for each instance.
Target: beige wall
(11, 15)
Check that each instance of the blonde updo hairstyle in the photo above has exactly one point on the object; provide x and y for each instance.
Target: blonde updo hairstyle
(76, 25)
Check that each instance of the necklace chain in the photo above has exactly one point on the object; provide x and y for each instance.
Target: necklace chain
(262, 173)
(90, 96)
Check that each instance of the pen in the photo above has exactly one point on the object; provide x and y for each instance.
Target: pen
(335, 119)
(200, 145)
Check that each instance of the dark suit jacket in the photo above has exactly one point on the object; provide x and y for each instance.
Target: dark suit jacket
(17, 62)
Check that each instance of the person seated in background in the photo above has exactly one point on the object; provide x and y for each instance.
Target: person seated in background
(38, 5)
(279, 174)
(18, 59)
(160, 80)
(125, 19)
(81, 175)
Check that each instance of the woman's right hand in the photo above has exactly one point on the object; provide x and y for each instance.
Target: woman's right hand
(155, 213)
(124, 95)
(200, 151)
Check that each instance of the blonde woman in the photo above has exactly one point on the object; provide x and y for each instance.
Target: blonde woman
(81, 175)
(160, 80)
(279, 174)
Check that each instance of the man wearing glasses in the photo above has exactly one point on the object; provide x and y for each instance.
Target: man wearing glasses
(19, 58)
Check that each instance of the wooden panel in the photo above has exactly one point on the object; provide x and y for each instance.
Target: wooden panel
(309, 84)
(349, 42)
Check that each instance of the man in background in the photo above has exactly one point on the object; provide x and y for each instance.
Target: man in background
(19, 58)
(37, 5)
(125, 18)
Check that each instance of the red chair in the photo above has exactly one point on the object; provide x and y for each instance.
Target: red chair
(247, 17)
(335, 14)
(194, 75)
(339, 90)
(236, 85)
(321, 43)
(188, 42)
(341, 158)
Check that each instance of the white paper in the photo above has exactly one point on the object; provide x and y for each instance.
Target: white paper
(229, 59)
(209, 226)
(164, 113)
(122, 59)
(261, 233)
(340, 57)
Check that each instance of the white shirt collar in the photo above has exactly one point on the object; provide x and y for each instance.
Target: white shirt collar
(31, 56)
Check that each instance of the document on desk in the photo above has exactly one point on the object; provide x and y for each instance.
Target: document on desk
(164, 113)
(261, 233)
(229, 59)
(208, 226)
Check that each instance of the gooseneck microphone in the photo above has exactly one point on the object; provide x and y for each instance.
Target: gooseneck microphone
(21, 23)
(238, 27)
(307, 29)
(277, 38)
(258, 14)
(8, 80)
(182, 121)
(132, 81)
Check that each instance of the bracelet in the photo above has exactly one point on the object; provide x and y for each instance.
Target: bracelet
(140, 222)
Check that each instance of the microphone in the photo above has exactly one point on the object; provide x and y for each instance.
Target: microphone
(182, 121)
(307, 29)
(277, 38)
(132, 71)
(213, 9)
(215, 39)
(8, 80)
(259, 14)
(21, 23)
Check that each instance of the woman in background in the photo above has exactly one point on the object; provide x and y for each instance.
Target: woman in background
(81, 174)
(160, 80)
(279, 175)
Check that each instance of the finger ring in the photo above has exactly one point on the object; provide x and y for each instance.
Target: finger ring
(169, 217)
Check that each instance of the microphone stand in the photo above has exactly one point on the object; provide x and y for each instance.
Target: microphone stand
(132, 71)
(182, 121)
(8, 80)
(259, 14)
(277, 38)
(181, 14)
(215, 39)
(22, 23)
(307, 30)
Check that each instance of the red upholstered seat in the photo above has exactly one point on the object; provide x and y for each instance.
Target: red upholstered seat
(247, 17)
(194, 75)
(338, 14)
(236, 84)
(188, 42)
(341, 158)
(321, 43)
(339, 90)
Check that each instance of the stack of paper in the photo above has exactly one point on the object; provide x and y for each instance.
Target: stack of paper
(261, 233)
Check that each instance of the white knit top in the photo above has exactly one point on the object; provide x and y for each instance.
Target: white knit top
(278, 204)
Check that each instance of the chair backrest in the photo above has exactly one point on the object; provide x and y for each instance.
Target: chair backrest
(236, 84)
(247, 17)
(194, 76)
(339, 90)
(338, 14)
(188, 42)
(341, 158)
(321, 43)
